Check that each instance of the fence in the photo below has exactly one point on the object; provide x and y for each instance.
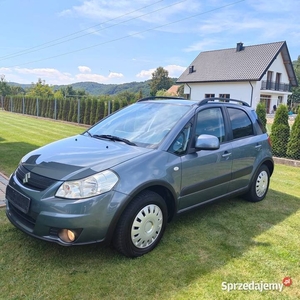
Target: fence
(73, 109)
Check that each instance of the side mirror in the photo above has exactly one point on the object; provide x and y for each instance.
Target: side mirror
(207, 142)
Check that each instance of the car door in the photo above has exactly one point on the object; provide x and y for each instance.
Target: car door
(246, 147)
(206, 173)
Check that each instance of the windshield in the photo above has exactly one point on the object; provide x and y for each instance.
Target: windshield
(144, 124)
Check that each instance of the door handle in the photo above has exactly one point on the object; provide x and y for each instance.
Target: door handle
(258, 147)
(226, 154)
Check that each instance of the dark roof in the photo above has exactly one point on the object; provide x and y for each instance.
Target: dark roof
(250, 63)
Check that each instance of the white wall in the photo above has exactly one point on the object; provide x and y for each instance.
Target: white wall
(278, 67)
(237, 90)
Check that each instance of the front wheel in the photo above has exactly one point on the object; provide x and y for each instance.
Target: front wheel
(142, 225)
(260, 185)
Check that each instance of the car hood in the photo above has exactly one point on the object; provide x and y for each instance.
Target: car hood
(78, 156)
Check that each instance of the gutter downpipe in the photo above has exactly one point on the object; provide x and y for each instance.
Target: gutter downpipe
(190, 91)
(251, 93)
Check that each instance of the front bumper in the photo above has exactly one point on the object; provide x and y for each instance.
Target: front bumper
(45, 215)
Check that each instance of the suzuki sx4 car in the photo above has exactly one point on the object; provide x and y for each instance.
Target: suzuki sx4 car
(126, 177)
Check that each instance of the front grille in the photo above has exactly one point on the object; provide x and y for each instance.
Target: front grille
(21, 217)
(32, 180)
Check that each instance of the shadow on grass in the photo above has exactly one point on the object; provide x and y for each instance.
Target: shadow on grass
(194, 244)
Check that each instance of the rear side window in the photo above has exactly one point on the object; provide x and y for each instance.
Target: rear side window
(240, 123)
(259, 122)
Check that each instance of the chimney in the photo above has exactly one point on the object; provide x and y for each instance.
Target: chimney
(239, 47)
(191, 69)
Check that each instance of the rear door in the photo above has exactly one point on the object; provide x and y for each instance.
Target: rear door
(246, 148)
(206, 173)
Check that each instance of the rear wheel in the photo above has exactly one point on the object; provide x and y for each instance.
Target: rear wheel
(142, 225)
(260, 185)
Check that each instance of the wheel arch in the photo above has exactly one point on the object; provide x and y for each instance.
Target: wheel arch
(269, 164)
(161, 188)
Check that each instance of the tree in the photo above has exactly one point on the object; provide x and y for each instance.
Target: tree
(280, 131)
(294, 142)
(181, 90)
(262, 113)
(160, 81)
(4, 87)
(40, 90)
(295, 97)
(16, 90)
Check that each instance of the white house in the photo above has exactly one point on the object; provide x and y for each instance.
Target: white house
(257, 73)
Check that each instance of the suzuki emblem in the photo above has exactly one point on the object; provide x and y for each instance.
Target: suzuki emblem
(26, 178)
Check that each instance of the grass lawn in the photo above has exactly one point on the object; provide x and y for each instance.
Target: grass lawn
(232, 241)
(20, 134)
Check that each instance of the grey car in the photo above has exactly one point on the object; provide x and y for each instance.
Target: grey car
(126, 177)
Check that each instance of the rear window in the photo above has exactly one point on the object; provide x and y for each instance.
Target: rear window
(240, 123)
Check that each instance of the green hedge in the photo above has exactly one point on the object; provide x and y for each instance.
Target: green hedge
(91, 109)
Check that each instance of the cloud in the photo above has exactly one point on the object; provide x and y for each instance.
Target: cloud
(5, 70)
(91, 77)
(47, 74)
(145, 74)
(115, 75)
(100, 10)
(84, 69)
(156, 12)
(174, 71)
(54, 76)
(87, 75)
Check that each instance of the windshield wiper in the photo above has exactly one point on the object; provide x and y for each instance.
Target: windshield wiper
(113, 138)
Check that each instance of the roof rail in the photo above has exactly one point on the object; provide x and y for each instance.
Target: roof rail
(160, 97)
(212, 99)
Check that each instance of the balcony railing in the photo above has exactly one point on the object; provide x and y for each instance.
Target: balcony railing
(275, 86)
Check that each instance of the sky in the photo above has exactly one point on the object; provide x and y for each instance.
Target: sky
(114, 42)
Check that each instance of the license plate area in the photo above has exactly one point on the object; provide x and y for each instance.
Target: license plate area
(17, 199)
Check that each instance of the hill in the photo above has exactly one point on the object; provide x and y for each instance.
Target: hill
(94, 88)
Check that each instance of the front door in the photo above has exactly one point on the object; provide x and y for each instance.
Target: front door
(206, 173)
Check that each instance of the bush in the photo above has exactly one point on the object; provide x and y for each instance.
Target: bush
(293, 147)
(280, 131)
(262, 113)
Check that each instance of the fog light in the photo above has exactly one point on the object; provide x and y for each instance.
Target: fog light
(67, 235)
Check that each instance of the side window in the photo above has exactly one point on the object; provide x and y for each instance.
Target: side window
(240, 123)
(210, 121)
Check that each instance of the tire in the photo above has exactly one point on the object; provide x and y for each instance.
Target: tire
(141, 225)
(260, 185)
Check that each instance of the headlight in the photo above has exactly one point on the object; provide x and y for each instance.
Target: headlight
(88, 187)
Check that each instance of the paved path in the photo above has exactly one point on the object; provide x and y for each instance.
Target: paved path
(3, 184)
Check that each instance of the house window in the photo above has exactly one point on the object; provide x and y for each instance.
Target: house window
(209, 95)
(277, 81)
(266, 99)
(269, 80)
(227, 96)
